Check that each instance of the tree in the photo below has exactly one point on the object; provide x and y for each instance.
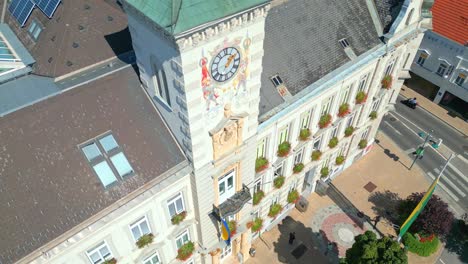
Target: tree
(434, 219)
(457, 240)
(368, 249)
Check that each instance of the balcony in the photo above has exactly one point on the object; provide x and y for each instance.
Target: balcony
(233, 204)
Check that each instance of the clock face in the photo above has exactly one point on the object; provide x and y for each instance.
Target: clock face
(225, 64)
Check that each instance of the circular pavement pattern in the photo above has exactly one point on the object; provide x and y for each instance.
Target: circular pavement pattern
(346, 235)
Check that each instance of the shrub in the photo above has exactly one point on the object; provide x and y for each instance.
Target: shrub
(293, 196)
(185, 251)
(110, 261)
(304, 134)
(176, 219)
(257, 197)
(278, 182)
(361, 97)
(257, 224)
(349, 131)
(387, 82)
(373, 115)
(316, 154)
(232, 227)
(424, 249)
(343, 110)
(325, 121)
(145, 240)
(324, 172)
(283, 149)
(333, 142)
(362, 144)
(340, 159)
(275, 209)
(298, 167)
(261, 164)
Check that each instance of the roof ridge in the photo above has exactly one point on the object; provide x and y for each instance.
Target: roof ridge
(176, 7)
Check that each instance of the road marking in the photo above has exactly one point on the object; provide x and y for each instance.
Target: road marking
(94, 70)
(460, 156)
(458, 172)
(411, 150)
(409, 121)
(442, 261)
(396, 130)
(454, 197)
(446, 178)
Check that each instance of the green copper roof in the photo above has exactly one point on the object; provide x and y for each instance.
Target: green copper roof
(177, 16)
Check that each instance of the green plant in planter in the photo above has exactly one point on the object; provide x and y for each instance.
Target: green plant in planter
(304, 134)
(333, 142)
(185, 251)
(257, 197)
(278, 182)
(349, 131)
(110, 261)
(261, 164)
(362, 144)
(178, 218)
(361, 97)
(373, 115)
(145, 240)
(298, 167)
(324, 172)
(387, 82)
(283, 149)
(316, 154)
(293, 196)
(275, 209)
(232, 227)
(257, 224)
(343, 110)
(339, 160)
(325, 121)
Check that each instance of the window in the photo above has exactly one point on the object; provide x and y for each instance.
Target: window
(107, 159)
(305, 119)
(334, 132)
(326, 161)
(363, 82)
(283, 136)
(326, 105)
(422, 58)
(160, 81)
(34, 29)
(460, 79)
(277, 81)
(298, 156)
(261, 147)
(389, 68)
(278, 170)
(100, 253)
(153, 259)
(227, 250)
(258, 185)
(140, 228)
(375, 105)
(350, 120)
(406, 60)
(345, 94)
(442, 68)
(182, 239)
(176, 205)
(317, 142)
(344, 43)
(408, 19)
(366, 133)
(226, 187)
(450, 70)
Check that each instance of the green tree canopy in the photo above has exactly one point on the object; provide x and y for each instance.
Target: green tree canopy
(368, 249)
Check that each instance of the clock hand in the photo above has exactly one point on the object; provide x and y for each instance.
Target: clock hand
(229, 60)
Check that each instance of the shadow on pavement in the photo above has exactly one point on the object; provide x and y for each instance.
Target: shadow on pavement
(391, 155)
(386, 205)
(307, 247)
(457, 240)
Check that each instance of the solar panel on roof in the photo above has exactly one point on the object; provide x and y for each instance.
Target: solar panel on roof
(47, 6)
(21, 9)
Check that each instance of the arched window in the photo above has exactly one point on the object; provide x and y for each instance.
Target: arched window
(408, 19)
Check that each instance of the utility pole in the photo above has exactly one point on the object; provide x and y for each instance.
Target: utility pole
(420, 150)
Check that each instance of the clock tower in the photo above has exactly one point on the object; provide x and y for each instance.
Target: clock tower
(201, 63)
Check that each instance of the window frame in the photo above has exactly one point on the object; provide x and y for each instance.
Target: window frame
(305, 119)
(362, 86)
(285, 130)
(149, 260)
(350, 120)
(181, 235)
(319, 141)
(277, 80)
(263, 144)
(365, 134)
(345, 94)
(279, 168)
(422, 58)
(440, 72)
(375, 104)
(97, 248)
(138, 223)
(35, 29)
(389, 67)
(326, 105)
(257, 186)
(173, 200)
(228, 192)
(299, 156)
(458, 78)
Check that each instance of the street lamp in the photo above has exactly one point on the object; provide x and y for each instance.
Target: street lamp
(420, 150)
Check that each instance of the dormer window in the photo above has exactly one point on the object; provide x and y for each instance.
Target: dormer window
(276, 79)
(344, 43)
(460, 79)
(442, 69)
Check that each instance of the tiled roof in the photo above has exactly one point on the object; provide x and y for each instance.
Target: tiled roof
(47, 186)
(388, 11)
(450, 19)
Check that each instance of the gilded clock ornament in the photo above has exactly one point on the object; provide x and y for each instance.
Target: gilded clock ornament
(225, 64)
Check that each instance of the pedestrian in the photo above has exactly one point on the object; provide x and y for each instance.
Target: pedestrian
(292, 236)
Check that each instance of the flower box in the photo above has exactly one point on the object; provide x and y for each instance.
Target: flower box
(145, 240)
(362, 144)
(339, 160)
(275, 209)
(293, 196)
(261, 164)
(185, 251)
(387, 82)
(278, 182)
(349, 131)
(325, 121)
(361, 97)
(304, 134)
(257, 224)
(110, 261)
(283, 149)
(343, 110)
(324, 172)
(178, 218)
(232, 227)
(316, 154)
(373, 115)
(298, 167)
(257, 197)
(333, 142)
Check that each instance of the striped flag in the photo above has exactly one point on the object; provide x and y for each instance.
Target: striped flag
(406, 225)
(225, 232)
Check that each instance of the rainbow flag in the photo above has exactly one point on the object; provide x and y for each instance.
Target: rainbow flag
(409, 221)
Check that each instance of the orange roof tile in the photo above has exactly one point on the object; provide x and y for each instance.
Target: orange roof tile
(450, 19)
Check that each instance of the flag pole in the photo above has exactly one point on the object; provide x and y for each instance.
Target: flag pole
(417, 210)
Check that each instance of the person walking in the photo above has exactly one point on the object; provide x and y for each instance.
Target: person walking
(292, 236)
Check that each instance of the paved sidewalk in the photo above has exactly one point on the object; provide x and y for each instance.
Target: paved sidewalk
(435, 109)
